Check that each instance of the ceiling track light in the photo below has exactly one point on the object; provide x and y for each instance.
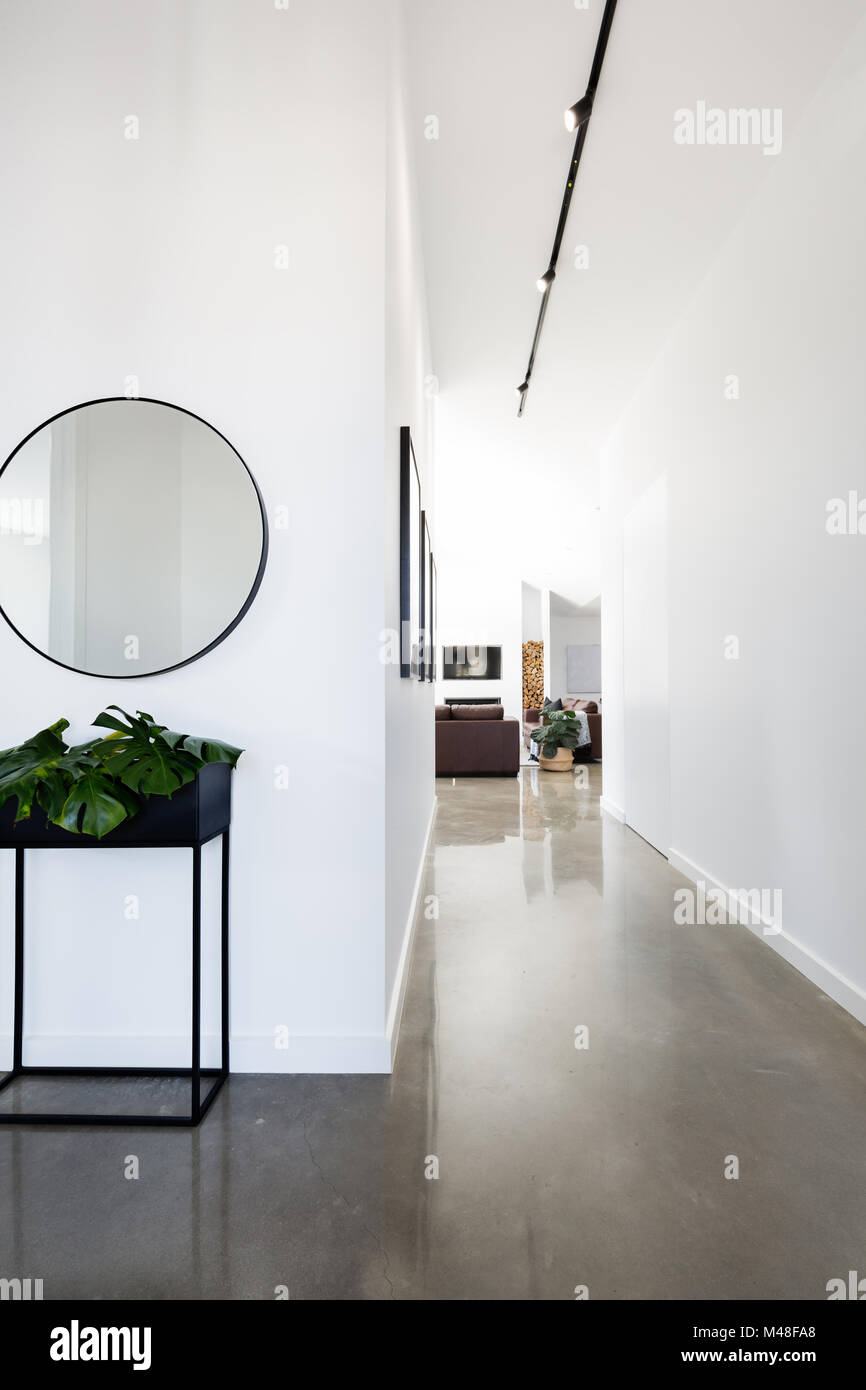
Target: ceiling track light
(579, 114)
(576, 119)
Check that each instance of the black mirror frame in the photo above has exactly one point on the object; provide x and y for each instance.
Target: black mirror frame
(145, 675)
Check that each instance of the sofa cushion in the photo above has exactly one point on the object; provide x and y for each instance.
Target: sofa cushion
(443, 711)
(475, 712)
(553, 704)
(588, 706)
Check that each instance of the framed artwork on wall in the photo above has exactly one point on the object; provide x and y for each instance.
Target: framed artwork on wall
(583, 669)
(411, 561)
(434, 618)
(426, 663)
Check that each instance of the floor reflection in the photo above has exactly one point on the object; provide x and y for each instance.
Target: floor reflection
(553, 816)
(558, 809)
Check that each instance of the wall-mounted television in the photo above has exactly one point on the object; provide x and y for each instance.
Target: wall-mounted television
(471, 663)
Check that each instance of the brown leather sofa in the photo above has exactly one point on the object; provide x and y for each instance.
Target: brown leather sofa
(532, 719)
(476, 741)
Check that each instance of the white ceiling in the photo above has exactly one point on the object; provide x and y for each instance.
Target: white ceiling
(563, 608)
(498, 74)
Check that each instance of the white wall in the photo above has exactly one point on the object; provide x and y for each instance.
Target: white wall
(645, 689)
(531, 598)
(480, 608)
(156, 257)
(765, 749)
(409, 745)
(546, 639)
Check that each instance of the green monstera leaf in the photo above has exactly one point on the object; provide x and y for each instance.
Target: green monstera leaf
(561, 729)
(204, 750)
(207, 750)
(104, 802)
(138, 756)
(154, 760)
(34, 765)
(92, 788)
(43, 770)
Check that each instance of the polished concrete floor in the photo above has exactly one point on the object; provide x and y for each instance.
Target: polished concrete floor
(558, 1166)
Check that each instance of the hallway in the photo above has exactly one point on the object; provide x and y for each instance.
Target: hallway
(702, 1044)
(558, 1166)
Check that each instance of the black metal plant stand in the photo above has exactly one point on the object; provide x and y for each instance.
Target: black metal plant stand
(199, 813)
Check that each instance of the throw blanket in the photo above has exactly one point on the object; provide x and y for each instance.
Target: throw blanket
(583, 737)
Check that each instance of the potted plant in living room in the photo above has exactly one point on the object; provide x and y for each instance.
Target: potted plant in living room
(557, 738)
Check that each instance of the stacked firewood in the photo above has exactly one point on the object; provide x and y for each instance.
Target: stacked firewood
(533, 675)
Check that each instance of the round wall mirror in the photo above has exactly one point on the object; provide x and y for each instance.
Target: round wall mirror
(133, 538)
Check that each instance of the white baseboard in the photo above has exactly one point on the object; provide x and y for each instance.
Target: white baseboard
(313, 1055)
(309, 1055)
(612, 809)
(102, 1050)
(398, 993)
(818, 971)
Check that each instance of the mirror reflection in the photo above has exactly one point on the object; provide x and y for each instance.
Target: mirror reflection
(132, 538)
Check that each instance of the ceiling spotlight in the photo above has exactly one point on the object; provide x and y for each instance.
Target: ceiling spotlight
(546, 280)
(578, 114)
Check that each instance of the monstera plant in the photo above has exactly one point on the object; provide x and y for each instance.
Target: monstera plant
(561, 729)
(92, 787)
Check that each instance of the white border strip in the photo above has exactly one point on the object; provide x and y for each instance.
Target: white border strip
(612, 809)
(818, 971)
(401, 980)
(256, 1054)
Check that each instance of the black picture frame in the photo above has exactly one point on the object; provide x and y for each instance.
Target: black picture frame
(434, 618)
(411, 560)
(426, 664)
(260, 572)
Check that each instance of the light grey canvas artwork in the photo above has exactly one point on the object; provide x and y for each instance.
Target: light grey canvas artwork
(583, 670)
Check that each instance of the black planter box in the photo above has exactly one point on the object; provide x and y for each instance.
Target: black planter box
(196, 813)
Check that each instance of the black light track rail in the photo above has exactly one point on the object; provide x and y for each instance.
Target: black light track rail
(576, 118)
